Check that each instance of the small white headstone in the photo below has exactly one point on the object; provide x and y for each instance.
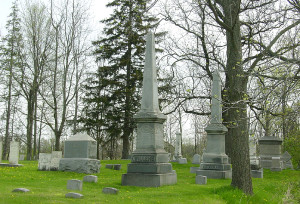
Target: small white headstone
(202, 180)
(74, 195)
(74, 184)
(110, 190)
(276, 164)
(55, 158)
(44, 161)
(14, 153)
(22, 157)
(182, 161)
(90, 179)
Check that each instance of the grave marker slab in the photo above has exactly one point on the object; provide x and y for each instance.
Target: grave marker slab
(196, 159)
(276, 164)
(269, 147)
(287, 160)
(202, 180)
(22, 157)
(74, 184)
(14, 153)
(110, 190)
(55, 159)
(90, 179)
(44, 161)
(20, 190)
(149, 163)
(74, 195)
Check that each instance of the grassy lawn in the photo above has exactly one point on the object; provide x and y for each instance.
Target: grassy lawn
(50, 187)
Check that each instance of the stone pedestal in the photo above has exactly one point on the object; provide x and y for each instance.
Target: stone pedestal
(257, 173)
(80, 155)
(214, 161)
(269, 147)
(14, 153)
(149, 163)
(276, 164)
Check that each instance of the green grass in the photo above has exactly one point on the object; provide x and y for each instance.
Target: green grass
(50, 187)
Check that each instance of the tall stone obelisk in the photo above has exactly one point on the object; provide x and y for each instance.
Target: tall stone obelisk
(149, 163)
(215, 162)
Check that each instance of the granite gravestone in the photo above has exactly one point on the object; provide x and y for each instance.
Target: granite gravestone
(215, 162)
(196, 159)
(276, 164)
(269, 147)
(55, 158)
(256, 170)
(14, 153)
(149, 163)
(80, 155)
(287, 161)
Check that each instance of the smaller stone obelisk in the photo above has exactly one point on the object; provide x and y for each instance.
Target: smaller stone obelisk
(178, 146)
(149, 165)
(215, 162)
(14, 152)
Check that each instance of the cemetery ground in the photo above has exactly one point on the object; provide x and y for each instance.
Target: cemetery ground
(50, 187)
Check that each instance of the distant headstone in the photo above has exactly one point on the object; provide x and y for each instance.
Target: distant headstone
(80, 153)
(202, 180)
(21, 190)
(14, 153)
(110, 190)
(109, 166)
(117, 166)
(269, 147)
(22, 157)
(0, 151)
(196, 159)
(287, 160)
(182, 161)
(55, 158)
(90, 179)
(254, 160)
(169, 157)
(178, 146)
(44, 161)
(215, 162)
(149, 163)
(257, 173)
(276, 164)
(74, 195)
(74, 184)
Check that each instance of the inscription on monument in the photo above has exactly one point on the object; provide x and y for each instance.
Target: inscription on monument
(143, 158)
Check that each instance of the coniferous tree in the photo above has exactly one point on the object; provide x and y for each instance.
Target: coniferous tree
(121, 52)
(10, 61)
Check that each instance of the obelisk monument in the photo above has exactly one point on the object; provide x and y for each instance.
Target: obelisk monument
(149, 163)
(215, 162)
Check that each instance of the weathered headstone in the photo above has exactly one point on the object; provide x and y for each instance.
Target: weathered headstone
(110, 190)
(80, 155)
(196, 159)
(74, 195)
(256, 170)
(74, 184)
(215, 161)
(90, 179)
(182, 161)
(287, 160)
(117, 166)
(149, 163)
(202, 180)
(269, 147)
(178, 146)
(14, 153)
(55, 158)
(276, 164)
(109, 166)
(44, 162)
(257, 173)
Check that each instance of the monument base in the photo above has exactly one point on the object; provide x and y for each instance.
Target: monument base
(149, 168)
(215, 174)
(149, 180)
(80, 165)
(10, 165)
(257, 173)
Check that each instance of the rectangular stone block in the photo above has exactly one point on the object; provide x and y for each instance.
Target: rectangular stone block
(80, 165)
(44, 161)
(213, 174)
(109, 166)
(90, 179)
(215, 166)
(149, 180)
(196, 159)
(154, 168)
(117, 166)
(74, 184)
(276, 164)
(257, 173)
(202, 180)
(215, 158)
(55, 158)
(14, 153)
(182, 161)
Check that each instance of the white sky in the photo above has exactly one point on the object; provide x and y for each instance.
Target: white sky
(98, 11)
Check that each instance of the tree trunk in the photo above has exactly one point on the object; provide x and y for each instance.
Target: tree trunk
(30, 113)
(236, 86)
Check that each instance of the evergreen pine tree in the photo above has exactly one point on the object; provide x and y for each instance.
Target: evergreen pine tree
(121, 52)
(10, 61)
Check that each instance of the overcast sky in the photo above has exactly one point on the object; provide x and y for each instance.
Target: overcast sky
(98, 12)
